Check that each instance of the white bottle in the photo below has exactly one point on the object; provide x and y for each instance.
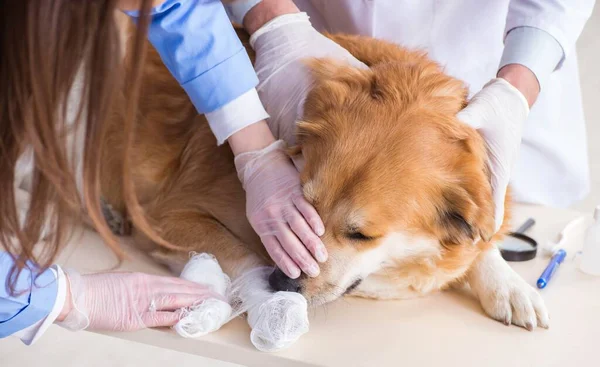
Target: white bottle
(590, 261)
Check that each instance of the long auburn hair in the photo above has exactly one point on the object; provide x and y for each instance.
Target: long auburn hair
(44, 46)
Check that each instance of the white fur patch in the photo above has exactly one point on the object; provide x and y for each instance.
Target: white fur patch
(395, 247)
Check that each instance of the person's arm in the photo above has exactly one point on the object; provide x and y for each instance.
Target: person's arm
(37, 303)
(199, 46)
(538, 37)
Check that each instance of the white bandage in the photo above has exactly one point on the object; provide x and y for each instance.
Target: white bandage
(210, 314)
(277, 319)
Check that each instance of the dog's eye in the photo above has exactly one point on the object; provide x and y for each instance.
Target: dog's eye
(358, 236)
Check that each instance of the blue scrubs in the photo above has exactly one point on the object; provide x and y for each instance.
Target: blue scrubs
(35, 296)
(199, 46)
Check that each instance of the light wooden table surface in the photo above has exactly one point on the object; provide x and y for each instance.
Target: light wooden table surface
(448, 328)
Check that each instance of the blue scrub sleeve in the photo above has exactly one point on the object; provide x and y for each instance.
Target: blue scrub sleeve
(199, 46)
(34, 297)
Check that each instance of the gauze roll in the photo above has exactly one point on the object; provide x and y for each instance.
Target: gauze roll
(277, 319)
(210, 314)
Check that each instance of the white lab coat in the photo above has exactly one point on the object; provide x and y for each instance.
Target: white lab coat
(466, 38)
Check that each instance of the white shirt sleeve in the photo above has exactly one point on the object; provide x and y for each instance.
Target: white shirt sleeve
(243, 111)
(533, 48)
(562, 19)
(32, 333)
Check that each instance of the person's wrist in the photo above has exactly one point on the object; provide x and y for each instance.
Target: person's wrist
(265, 11)
(251, 138)
(68, 305)
(523, 79)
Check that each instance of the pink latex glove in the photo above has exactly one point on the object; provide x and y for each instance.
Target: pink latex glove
(287, 224)
(498, 112)
(122, 301)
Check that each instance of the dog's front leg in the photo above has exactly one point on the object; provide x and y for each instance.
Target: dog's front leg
(503, 294)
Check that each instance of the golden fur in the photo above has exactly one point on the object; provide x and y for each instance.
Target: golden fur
(386, 160)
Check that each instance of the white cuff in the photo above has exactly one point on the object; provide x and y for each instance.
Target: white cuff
(238, 8)
(533, 48)
(243, 111)
(32, 333)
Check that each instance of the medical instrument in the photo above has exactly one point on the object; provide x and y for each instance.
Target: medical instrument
(517, 246)
(556, 260)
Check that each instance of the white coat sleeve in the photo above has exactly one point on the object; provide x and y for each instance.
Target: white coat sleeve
(541, 34)
(562, 19)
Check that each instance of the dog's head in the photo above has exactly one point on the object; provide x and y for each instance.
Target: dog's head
(396, 178)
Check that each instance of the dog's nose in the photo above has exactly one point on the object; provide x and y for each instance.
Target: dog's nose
(281, 282)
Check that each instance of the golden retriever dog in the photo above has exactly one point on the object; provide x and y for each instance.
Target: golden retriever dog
(401, 185)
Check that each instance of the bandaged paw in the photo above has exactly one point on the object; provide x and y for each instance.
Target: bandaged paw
(279, 322)
(277, 319)
(210, 314)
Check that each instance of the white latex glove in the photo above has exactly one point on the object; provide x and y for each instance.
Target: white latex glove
(278, 211)
(498, 112)
(122, 301)
(281, 45)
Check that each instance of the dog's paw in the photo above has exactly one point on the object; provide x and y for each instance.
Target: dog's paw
(279, 321)
(515, 302)
(505, 296)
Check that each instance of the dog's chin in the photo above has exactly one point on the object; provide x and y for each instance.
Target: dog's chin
(333, 293)
(322, 299)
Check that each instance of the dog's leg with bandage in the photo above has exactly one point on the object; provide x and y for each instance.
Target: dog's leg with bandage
(210, 241)
(277, 319)
(212, 313)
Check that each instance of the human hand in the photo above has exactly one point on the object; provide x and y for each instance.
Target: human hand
(282, 45)
(121, 301)
(498, 113)
(287, 224)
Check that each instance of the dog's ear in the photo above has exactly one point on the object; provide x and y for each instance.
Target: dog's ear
(334, 78)
(332, 84)
(466, 211)
(463, 221)
(453, 214)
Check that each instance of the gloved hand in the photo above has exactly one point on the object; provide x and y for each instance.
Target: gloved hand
(281, 45)
(498, 112)
(122, 301)
(275, 206)
(278, 211)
